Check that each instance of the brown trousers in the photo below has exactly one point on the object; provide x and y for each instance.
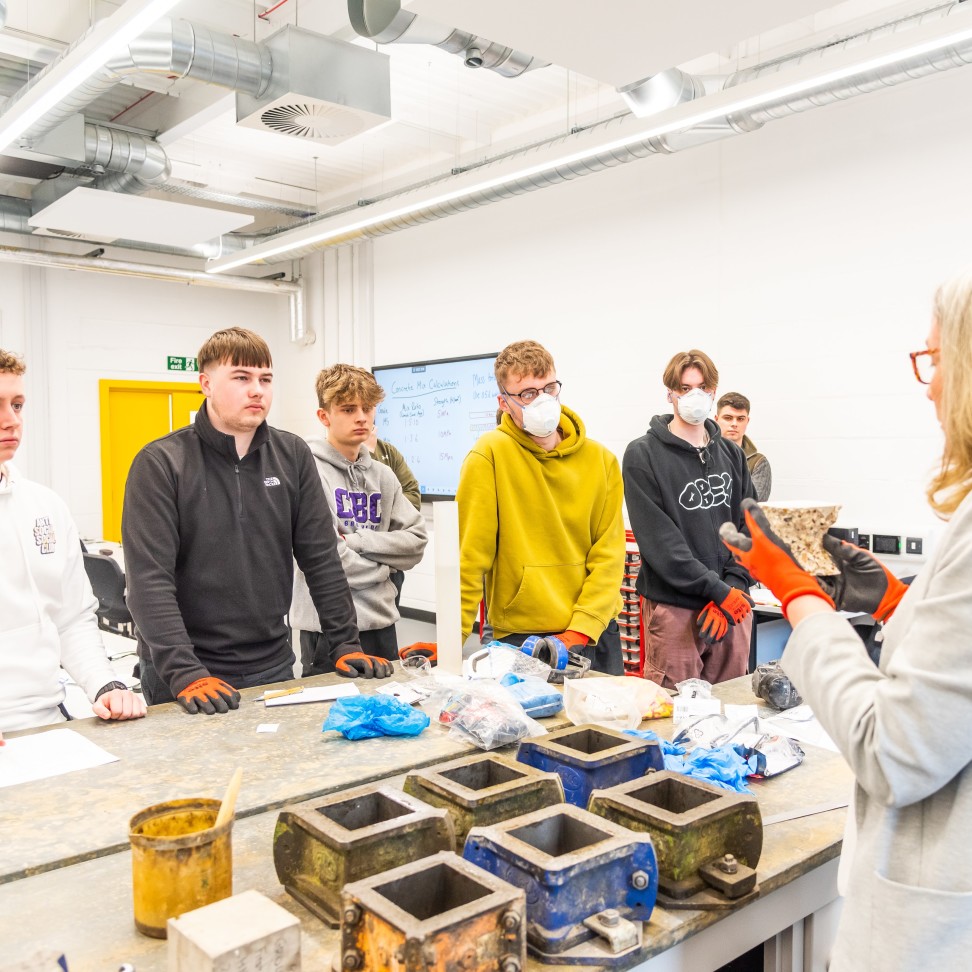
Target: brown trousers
(674, 651)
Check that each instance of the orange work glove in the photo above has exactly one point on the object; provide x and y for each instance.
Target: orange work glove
(768, 558)
(427, 649)
(573, 640)
(863, 584)
(357, 664)
(714, 619)
(209, 695)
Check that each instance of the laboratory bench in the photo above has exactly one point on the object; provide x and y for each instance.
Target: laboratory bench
(66, 865)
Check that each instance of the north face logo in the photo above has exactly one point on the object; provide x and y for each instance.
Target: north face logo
(271, 481)
(44, 535)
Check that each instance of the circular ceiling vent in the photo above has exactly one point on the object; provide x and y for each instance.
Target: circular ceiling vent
(310, 120)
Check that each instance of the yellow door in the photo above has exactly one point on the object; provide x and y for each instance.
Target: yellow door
(134, 413)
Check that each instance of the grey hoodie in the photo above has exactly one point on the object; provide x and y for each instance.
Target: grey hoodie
(381, 532)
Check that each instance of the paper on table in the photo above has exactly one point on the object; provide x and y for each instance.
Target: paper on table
(47, 754)
(404, 693)
(320, 693)
(805, 730)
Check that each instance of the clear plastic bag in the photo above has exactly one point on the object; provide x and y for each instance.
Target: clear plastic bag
(485, 713)
(694, 688)
(615, 702)
(498, 659)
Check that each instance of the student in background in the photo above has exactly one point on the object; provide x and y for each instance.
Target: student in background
(215, 515)
(47, 609)
(903, 726)
(732, 414)
(682, 481)
(386, 453)
(380, 534)
(540, 525)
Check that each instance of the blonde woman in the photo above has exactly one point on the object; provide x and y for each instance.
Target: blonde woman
(905, 726)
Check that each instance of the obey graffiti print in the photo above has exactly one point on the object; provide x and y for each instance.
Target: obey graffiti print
(44, 534)
(706, 491)
(361, 507)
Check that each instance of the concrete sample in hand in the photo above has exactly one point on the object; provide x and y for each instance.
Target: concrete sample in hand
(803, 525)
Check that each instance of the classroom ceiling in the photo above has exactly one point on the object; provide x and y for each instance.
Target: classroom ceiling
(442, 115)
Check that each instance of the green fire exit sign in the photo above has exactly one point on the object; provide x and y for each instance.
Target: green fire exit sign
(175, 363)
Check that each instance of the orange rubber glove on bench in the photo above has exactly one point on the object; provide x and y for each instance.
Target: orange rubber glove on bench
(209, 695)
(356, 664)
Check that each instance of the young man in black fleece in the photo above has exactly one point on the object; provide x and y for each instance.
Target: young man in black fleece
(215, 515)
(682, 481)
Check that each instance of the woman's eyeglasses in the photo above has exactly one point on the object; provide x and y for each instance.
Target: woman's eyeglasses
(924, 364)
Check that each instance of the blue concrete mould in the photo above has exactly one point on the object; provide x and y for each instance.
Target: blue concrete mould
(589, 758)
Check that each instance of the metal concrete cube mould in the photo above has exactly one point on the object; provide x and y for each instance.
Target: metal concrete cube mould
(572, 865)
(692, 824)
(482, 790)
(589, 758)
(440, 913)
(319, 847)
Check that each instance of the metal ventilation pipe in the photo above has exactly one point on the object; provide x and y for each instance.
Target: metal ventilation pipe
(169, 47)
(915, 67)
(384, 22)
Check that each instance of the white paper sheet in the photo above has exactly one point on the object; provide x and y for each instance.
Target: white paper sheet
(801, 724)
(48, 754)
(320, 693)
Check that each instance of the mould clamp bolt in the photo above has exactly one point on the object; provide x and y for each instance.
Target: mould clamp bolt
(639, 880)
(352, 960)
(509, 964)
(352, 915)
(727, 864)
(610, 918)
(511, 921)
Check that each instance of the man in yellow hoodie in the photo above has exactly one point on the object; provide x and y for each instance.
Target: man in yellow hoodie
(540, 525)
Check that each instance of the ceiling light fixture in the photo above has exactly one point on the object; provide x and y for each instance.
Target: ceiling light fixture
(52, 86)
(885, 51)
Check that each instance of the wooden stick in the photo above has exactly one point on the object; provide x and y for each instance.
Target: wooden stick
(228, 805)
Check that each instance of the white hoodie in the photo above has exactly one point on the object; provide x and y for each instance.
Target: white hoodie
(47, 608)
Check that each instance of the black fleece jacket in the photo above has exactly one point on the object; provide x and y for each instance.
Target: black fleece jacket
(210, 541)
(677, 497)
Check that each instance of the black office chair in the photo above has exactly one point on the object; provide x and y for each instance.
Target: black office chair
(108, 584)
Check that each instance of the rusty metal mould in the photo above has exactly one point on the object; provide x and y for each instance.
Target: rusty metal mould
(439, 914)
(572, 865)
(589, 758)
(694, 827)
(319, 847)
(484, 789)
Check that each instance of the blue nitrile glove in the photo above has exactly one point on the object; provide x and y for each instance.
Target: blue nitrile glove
(649, 735)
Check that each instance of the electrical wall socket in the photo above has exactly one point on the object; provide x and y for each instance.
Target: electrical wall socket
(864, 541)
(913, 545)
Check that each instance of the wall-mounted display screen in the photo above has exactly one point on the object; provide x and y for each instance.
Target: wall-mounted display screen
(433, 412)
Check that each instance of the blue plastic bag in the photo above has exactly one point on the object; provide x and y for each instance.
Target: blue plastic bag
(723, 767)
(537, 697)
(367, 716)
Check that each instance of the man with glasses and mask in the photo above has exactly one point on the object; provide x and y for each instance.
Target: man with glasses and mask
(541, 533)
(682, 481)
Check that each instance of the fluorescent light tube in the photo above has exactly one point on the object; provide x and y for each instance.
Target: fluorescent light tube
(105, 40)
(880, 53)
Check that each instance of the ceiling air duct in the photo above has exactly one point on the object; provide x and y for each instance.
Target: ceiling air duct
(384, 22)
(321, 89)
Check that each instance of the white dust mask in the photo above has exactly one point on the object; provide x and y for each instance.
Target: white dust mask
(542, 416)
(694, 406)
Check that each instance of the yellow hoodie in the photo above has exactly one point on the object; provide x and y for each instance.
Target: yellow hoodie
(544, 528)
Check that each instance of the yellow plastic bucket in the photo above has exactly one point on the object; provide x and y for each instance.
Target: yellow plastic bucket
(180, 861)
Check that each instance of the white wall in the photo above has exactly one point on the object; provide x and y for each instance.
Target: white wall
(77, 328)
(802, 258)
